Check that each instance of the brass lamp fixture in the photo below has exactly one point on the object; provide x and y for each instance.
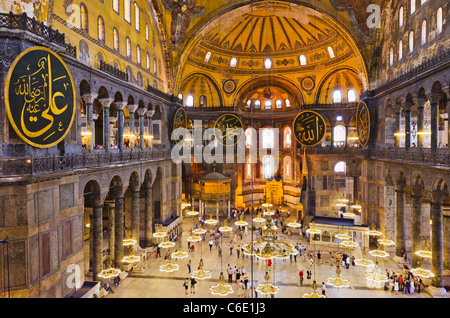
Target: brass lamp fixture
(159, 231)
(211, 220)
(337, 281)
(421, 271)
(259, 219)
(363, 261)
(201, 273)
(221, 288)
(267, 288)
(225, 227)
(313, 230)
(241, 221)
(110, 272)
(314, 293)
(169, 267)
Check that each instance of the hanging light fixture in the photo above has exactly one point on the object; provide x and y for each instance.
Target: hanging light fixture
(337, 281)
(241, 221)
(159, 231)
(363, 261)
(259, 219)
(314, 293)
(169, 267)
(110, 272)
(211, 220)
(221, 288)
(424, 254)
(201, 273)
(373, 231)
(375, 276)
(225, 227)
(192, 213)
(166, 244)
(267, 288)
(313, 230)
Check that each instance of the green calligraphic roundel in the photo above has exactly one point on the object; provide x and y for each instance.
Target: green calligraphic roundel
(228, 129)
(363, 123)
(40, 97)
(180, 121)
(309, 128)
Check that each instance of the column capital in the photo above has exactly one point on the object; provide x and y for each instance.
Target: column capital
(95, 116)
(417, 191)
(435, 97)
(421, 101)
(106, 102)
(120, 105)
(141, 111)
(408, 105)
(132, 108)
(150, 113)
(89, 98)
(438, 196)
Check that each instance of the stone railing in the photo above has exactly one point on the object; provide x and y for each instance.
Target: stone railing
(439, 157)
(45, 165)
(161, 94)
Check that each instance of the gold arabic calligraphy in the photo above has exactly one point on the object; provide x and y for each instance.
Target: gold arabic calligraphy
(309, 128)
(230, 128)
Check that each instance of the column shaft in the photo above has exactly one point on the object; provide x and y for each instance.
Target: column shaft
(106, 125)
(118, 235)
(437, 243)
(416, 229)
(407, 128)
(420, 126)
(120, 128)
(148, 216)
(141, 132)
(135, 215)
(400, 212)
(434, 125)
(97, 239)
(90, 124)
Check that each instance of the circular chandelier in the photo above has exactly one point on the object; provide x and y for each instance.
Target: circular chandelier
(129, 242)
(313, 230)
(166, 244)
(376, 277)
(169, 267)
(424, 254)
(267, 205)
(349, 244)
(379, 253)
(185, 205)
(211, 220)
(343, 236)
(179, 254)
(269, 212)
(259, 219)
(338, 281)
(194, 238)
(201, 273)
(192, 213)
(294, 224)
(159, 231)
(241, 221)
(267, 288)
(349, 214)
(386, 242)
(314, 293)
(363, 261)
(198, 231)
(131, 259)
(373, 231)
(110, 272)
(422, 272)
(225, 227)
(221, 288)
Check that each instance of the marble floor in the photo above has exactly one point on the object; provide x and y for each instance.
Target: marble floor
(152, 283)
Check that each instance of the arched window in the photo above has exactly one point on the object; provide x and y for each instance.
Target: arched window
(391, 56)
(116, 39)
(268, 64)
(424, 32)
(84, 18)
(180, 97)
(287, 140)
(287, 168)
(147, 32)
(203, 101)
(101, 29)
(248, 137)
(257, 103)
(337, 96)
(137, 17)
(339, 136)
(249, 103)
(439, 21)
(128, 42)
(268, 166)
(288, 103)
(340, 167)
(148, 61)
(116, 7)
(331, 52)
(190, 101)
(127, 10)
(400, 50)
(400, 17)
(303, 60)
(155, 67)
(208, 57)
(351, 96)
(279, 103)
(233, 62)
(248, 168)
(413, 6)
(268, 138)
(268, 104)
(138, 55)
(411, 42)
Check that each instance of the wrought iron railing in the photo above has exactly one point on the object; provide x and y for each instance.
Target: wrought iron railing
(161, 94)
(114, 71)
(55, 164)
(23, 22)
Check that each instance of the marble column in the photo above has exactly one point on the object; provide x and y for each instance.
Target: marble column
(408, 106)
(97, 226)
(132, 109)
(420, 121)
(135, 213)
(434, 121)
(118, 228)
(346, 135)
(111, 222)
(120, 106)
(437, 239)
(106, 103)
(416, 225)
(400, 212)
(90, 126)
(150, 114)
(148, 214)
(332, 136)
(141, 112)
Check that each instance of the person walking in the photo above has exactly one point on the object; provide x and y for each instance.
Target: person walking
(318, 257)
(347, 262)
(396, 286)
(193, 282)
(210, 243)
(324, 289)
(186, 286)
(189, 266)
(230, 274)
(158, 252)
(238, 250)
(220, 251)
(411, 287)
(238, 275)
(231, 247)
(300, 274)
(255, 284)
(269, 264)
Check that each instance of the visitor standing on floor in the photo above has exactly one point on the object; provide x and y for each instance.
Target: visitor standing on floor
(324, 289)
(231, 247)
(300, 274)
(189, 266)
(230, 274)
(186, 286)
(193, 282)
(210, 243)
